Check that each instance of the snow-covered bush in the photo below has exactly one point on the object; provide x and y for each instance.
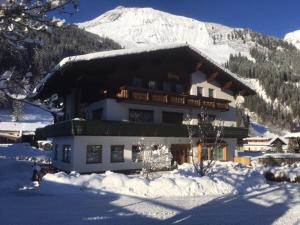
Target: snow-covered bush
(155, 157)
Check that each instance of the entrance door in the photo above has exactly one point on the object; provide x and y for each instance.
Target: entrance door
(179, 153)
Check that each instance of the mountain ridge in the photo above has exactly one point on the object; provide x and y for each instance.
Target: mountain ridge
(269, 64)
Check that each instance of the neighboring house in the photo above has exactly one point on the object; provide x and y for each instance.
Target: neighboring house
(264, 144)
(113, 99)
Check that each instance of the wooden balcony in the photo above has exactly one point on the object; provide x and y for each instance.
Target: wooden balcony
(160, 97)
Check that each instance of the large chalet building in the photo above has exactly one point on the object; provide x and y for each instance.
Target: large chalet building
(116, 99)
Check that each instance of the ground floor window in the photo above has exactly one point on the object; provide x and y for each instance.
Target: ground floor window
(117, 153)
(207, 153)
(55, 152)
(204, 153)
(94, 154)
(66, 153)
(136, 153)
(219, 153)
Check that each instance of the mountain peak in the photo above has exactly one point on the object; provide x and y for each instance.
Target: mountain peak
(293, 38)
(134, 27)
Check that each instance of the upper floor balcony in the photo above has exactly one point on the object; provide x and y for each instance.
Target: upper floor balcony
(152, 96)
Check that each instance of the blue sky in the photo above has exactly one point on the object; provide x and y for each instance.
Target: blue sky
(272, 17)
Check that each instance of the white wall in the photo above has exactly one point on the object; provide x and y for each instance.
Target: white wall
(60, 141)
(119, 111)
(199, 79)
(79, 145)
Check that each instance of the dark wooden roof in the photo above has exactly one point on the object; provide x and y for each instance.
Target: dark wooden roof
(100, 66)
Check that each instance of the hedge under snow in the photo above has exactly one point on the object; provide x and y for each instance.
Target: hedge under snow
(224, 178)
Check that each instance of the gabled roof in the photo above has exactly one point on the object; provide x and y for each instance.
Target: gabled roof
(278, 138)
(68, 61)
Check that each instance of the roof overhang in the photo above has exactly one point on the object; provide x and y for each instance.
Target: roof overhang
(79, 65)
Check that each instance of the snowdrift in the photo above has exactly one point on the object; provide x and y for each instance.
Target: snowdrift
(24, 151)
(224, 178)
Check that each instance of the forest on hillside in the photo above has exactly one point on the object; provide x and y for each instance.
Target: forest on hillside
(277, 68)
(60, 43)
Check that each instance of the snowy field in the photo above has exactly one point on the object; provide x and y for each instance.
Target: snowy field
(230, 194)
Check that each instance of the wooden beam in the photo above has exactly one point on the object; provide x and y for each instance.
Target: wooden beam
(199, 65)
(227, 85)
(212, 77)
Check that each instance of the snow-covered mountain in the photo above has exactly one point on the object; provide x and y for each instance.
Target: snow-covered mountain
(293, 38)
(133, 27)
(271, 66)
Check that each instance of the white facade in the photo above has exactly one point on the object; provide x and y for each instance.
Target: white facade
(79, 150)
(114, 110)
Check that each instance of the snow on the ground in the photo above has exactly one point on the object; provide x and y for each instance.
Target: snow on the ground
(14, 175)
(224, 178)
(291, 171)
(280, 155)
(33, 117)
(84, 202)
(63, 203)
(23, 151)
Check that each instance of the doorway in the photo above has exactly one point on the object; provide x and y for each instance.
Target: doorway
(179, 153)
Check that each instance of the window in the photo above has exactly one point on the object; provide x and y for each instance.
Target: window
(204, 153)
(211, 93)
(94, 154)
(218, 154)
(55, 153)
(66, 153)
(136, 153)
(117, 153)
(137, 82)
(145, 116)
(179, 88)
(97, 114)
(199, 91)
(152, 84)
(206, 118)
(167, 86)
(172, 117)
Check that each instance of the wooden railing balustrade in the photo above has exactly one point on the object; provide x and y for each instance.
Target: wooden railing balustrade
(161, 97)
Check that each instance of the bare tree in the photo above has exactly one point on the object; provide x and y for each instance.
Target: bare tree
(209, 134)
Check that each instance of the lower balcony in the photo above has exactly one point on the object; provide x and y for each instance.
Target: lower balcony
(149, 96)
(117, 128)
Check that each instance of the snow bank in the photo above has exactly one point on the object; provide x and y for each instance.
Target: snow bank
(287, 171)
(291, 172)
(224, 178)
(23, 151)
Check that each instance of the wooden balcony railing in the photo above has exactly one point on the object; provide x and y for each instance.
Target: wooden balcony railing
(161, 97)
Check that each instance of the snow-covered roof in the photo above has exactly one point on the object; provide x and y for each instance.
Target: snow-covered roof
(292, 135)
(280, 138)
(257, 138)
(267, 141)
(122, 52)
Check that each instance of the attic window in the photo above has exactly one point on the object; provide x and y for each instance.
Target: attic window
(179, 88)
(167, 86)
(137, 82)
(152, 84)
(211, 93)
(200, 91)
